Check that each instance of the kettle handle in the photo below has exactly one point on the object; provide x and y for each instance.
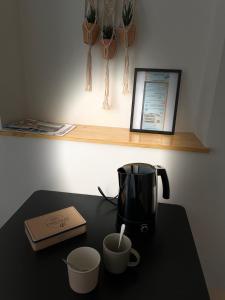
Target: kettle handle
(166, 188)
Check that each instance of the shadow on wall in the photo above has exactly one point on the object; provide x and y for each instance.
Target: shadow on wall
(12, 93)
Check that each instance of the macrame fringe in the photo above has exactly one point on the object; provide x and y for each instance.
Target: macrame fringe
(88, 87)
(106, 104)
(126, 73)
(89, 71)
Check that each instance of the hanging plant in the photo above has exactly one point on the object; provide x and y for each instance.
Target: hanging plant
(127, 32)
(90, 26)
(107, 32)
(91, 31)
(108, 41)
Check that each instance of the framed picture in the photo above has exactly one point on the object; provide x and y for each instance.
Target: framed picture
(155, 99)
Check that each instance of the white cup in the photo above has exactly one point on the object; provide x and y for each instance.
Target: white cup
(83, 269)
(116, 260)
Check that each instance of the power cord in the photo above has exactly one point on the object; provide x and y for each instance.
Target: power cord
(106, 198)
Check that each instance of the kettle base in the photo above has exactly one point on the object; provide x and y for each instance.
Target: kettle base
(136, 229)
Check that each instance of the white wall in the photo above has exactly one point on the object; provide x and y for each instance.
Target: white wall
(11, 70)
(170, 34)
(214, 189)
(214, 52)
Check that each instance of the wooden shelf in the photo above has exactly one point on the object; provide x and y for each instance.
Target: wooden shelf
(181, 141)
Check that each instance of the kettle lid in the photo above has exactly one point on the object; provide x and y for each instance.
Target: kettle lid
(137, 169)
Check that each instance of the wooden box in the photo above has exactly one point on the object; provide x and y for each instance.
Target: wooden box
(54, 227)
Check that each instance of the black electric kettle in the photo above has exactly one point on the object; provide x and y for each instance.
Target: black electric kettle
(137, 199)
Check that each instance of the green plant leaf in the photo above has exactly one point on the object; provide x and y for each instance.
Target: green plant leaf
(107, 32)
(91, 15)
(127, 13)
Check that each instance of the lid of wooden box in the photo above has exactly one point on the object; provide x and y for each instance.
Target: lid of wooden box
(54, 223)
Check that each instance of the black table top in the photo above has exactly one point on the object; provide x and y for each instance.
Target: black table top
(169, 268)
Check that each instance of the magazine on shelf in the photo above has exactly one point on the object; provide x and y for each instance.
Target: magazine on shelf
(39, 127)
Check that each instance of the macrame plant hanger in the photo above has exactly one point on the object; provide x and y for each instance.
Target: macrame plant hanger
(108, 42)
(91, 30)
(127, 32)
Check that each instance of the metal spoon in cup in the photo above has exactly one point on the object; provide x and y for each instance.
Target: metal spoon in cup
(122, 229)
(67, 263)
(81, 269)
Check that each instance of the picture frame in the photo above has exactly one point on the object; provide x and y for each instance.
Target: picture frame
(155, 100)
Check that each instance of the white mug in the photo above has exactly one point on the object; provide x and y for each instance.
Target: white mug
(83, 269)
(116, 260)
